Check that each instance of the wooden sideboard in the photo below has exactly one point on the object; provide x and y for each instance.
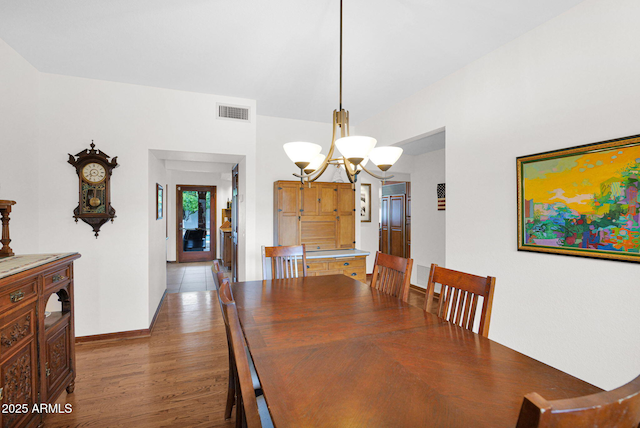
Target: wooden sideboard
(319, 215)
(225, 247)
(352, 263)
(37, 352)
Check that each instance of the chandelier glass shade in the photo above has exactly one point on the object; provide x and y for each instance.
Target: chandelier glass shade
(355, 150)
(385, 157)
(315, 163)
(302, 153)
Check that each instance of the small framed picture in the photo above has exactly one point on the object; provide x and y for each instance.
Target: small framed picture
(159, 201)
(365, 203)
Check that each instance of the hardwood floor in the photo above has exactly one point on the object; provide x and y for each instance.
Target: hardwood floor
(175, 378)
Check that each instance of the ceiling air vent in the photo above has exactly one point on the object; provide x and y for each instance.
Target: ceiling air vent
(233, 112)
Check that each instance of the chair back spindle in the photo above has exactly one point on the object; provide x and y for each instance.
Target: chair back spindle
(459, 296)
(284, 262)
(392, 275)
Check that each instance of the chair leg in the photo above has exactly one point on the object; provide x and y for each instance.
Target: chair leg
(231, 393)
(240, 422)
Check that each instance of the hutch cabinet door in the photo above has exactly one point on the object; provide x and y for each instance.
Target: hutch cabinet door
(287, 206)
(346, 216)
(310, 199)
(19, 383)
(57, 358)
(328, 198)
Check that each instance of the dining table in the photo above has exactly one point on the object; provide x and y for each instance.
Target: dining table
(331, 351)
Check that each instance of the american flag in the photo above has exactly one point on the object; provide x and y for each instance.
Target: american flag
(441, 197)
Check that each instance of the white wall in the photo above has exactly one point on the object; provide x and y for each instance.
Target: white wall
(223, 189)
(157, 235)
(113, 290)
(272, 133)
(571, 81)
(19, 172)
(427, 223)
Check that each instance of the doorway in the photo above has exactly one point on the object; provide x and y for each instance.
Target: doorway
(195, 223)
(395, 219)
(234, 223)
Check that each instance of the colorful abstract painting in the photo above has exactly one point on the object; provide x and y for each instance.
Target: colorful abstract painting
(582, 201)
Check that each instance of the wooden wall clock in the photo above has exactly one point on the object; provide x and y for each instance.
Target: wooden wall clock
(94, 174)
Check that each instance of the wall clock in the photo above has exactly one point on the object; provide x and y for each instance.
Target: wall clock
(94, 174)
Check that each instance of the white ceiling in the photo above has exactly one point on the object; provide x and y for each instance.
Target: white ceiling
(175, 155)
(423, 145)
(283, 53)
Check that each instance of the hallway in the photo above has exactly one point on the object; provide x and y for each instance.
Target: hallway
(184, 277)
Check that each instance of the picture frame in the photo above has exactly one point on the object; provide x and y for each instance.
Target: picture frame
(581, 201)
(365, 203)
(159, 201)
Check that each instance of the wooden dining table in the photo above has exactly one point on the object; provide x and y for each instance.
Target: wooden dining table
(331, 351)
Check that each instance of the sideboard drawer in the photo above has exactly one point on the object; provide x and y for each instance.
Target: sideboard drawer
(316, 266)
(57, 276)
(12, 297)
(15, 328)
(348, 263)
(360, 274)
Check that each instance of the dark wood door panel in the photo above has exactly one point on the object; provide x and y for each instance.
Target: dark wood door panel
(396, 212)
(57, 365)
(20, 383)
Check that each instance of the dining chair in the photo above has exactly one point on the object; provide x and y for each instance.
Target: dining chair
(251, 409)
(284, 262)
(215, 268)
(392, 275)
(218, 277)
(618, 408)
(459, 295)
(225, 294)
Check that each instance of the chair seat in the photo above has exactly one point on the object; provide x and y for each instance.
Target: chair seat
(263, 411)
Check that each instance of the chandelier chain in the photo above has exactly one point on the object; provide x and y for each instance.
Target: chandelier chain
(340, 55)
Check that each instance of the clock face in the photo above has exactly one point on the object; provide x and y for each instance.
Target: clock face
(94, 172)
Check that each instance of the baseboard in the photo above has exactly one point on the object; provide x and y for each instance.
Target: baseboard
(155, 316)
(120, 335)
(418, 289)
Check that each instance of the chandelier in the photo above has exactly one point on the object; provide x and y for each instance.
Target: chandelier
(356, 151)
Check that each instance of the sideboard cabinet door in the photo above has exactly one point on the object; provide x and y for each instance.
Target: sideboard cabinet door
(57, 366)
(19, 383)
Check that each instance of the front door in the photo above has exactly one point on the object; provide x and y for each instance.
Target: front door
(196, 219)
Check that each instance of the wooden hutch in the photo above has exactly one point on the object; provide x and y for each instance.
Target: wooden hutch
(322, 216)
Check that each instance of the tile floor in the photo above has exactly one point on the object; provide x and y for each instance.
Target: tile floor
(185, 277)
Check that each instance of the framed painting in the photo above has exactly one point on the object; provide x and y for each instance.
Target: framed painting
(582, 201)
(159, 201)
(365, 203)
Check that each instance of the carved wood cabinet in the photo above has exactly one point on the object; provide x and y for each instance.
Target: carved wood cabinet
(37, 352)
